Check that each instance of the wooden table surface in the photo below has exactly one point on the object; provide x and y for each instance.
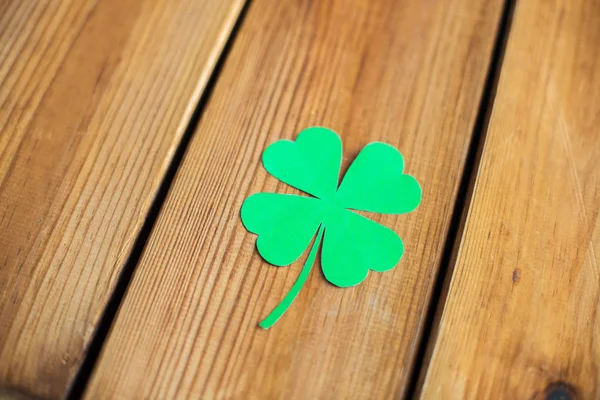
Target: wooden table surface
(131, 132)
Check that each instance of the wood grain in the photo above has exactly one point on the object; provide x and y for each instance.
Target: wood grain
(403, 72)
(94, 97)
(521, 319)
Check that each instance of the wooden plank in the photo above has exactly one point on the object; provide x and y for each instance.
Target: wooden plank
(403, 72)
(94, 98)
(521, 318)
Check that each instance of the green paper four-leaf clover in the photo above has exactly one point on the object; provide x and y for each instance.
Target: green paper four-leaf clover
(352, 244)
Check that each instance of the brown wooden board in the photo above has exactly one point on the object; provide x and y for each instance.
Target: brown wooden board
(94, 98)
(409, 73)
(521, 317)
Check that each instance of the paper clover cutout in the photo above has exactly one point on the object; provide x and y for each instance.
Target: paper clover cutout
(352, 244)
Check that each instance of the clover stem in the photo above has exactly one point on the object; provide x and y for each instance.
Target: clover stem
(291, 296)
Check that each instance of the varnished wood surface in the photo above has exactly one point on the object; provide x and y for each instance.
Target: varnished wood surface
(521, 319)
(405, 72)
(94, 97)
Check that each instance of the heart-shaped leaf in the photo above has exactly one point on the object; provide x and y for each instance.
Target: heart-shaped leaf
(311, 163)
(376, 182)
(284, 223)
(353, 245)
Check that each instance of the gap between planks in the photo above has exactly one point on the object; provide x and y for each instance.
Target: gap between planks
(87, 367)
(461, 206)
(94, 99)
(520, 316)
